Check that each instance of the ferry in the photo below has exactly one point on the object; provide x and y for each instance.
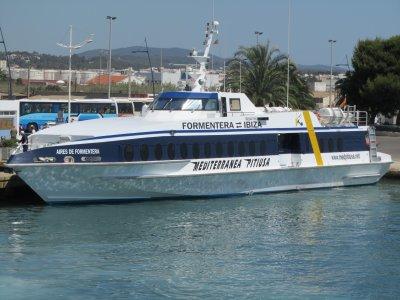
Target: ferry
(201, 144)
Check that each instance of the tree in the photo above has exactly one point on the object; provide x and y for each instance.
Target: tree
(264, 77)
(3, 76)
(374, 84)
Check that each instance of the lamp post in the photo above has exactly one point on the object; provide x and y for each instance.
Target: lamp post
(331, 42)
(258, 33)
(28, 89)
(10, 93)
(151, 68)
(110, 18)
(72, 47)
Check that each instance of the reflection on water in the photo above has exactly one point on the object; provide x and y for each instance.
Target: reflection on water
(332, 243)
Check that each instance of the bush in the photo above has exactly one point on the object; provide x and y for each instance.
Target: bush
(9, 143)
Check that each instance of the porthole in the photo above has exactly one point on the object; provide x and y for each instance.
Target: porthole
(158, 151)
(196, 150)
(184, 151)
(252, 148)
(171, 151)
(330, 145)
(144, 152)
(219, 149)
(241, 149)
(231, 149)
(263, 148)
(128, 153)
(207, 150)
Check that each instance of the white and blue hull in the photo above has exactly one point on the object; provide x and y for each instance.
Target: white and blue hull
(129, 181)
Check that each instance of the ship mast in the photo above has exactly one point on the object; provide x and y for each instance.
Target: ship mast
(211, 31)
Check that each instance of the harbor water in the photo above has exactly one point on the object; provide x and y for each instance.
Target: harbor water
(342, 242)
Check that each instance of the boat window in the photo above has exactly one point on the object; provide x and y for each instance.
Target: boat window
(183, 150)
(339, 144)
(171, 151)
(196, 150)
(219, 149)
(330, 145)
(242, 149)
(289, 143)
(234, 104)
(207, 150)
(144, 152)
(321, 145)
(158, 151)
(252, 148)
(231, 149)
(128, 152)
(185, 104)
(263, 148)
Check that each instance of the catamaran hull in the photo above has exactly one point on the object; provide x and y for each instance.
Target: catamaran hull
(116, 182)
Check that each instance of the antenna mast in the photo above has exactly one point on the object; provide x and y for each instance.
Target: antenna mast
(211, 30)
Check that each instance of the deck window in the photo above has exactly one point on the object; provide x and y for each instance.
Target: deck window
(219, 149)
(144, 152)
(289, 143)
(183, 150)
(128, 153)
(241, 149)
(263, 148)
(158, 151)
(171, 151)
(234, 104)
(330, 145)
(207, 150)
(252, 148)
(231, 149)
(340, 144)
(196, 150)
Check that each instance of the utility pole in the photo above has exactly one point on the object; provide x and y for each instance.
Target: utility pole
(151, 68)
(331, 41)
(10, 93)
(258, 33)
(288, 58)
(72, 47)
(110, 18)
(129, 84)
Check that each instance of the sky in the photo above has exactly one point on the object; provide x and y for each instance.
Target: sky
(38, 25)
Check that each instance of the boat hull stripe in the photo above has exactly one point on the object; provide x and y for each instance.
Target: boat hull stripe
(313, 138)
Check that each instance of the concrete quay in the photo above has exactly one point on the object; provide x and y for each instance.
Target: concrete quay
(390, 144)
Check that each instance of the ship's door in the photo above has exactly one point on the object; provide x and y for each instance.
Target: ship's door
(289, 149)
(223, 107)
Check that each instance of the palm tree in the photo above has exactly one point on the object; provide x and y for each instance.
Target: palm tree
(264, 73)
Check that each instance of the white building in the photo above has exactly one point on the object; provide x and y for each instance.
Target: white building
(3, 65)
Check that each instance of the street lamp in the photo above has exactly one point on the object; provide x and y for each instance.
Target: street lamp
(110, 18)
(10, 93)
(258, 33)
(331, 42)
(151, 68)
(71, 47)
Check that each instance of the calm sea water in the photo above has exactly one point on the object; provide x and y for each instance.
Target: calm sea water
(342, 242)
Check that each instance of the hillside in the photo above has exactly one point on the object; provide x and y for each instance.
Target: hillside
(123, 58)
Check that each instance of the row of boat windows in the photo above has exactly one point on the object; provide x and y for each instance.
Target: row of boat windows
(184, 150)
(286, 144)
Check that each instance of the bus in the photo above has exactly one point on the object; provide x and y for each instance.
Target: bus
(38, 114)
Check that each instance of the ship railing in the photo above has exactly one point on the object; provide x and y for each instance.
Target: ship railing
(30, 146)
(357, 117)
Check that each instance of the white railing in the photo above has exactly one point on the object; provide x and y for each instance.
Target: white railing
(31, 146)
